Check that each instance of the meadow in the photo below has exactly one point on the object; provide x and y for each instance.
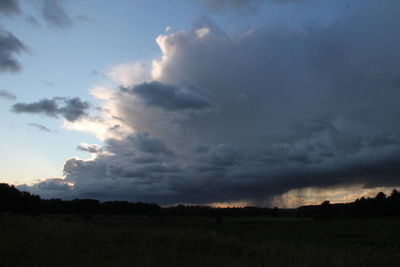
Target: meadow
(60, 240)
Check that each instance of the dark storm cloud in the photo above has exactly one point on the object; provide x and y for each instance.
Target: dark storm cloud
(9, 46)
(55, 15)
(7, 95)
(9, 7)
(169, 97)
(145, 143)
(55, 188)
(40, 127)
(291, 109)
(71, 109)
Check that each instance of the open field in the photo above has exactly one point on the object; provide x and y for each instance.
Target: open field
(142, 241)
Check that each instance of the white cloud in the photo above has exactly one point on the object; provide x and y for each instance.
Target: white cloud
(129, 74)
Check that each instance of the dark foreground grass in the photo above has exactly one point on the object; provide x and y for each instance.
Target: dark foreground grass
(44, 241)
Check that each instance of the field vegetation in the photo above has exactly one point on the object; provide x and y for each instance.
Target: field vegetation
(181, 241)
(37, 232)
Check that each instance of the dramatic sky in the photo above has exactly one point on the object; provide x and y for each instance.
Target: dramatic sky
(223, 102)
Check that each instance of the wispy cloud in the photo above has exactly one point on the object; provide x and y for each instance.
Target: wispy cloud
(9, 47)
(7, 95)
(55, 14)
(40, 127)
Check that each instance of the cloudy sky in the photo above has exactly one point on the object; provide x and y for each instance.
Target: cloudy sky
(224, 102)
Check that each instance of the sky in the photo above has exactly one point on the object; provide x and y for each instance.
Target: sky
(222, 102)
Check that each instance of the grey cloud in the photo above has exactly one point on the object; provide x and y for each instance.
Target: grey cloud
(71, 109)
(145, 143)
(53, 12)
(32, 21)
(55, 15)
(242, 6)
(9, 46)
(7, 95)
(91, 148)
(169, 97)
(247, 6)
(383, 139)
(40, 127)
(246, 180)
(223, 155)
(315, 107)
(74, 109)
(47, 106)
(54, 188)
(9, 7)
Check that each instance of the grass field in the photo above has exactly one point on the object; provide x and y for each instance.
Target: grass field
(142, 241)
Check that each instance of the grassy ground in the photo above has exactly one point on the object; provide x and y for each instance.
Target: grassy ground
(130, 241)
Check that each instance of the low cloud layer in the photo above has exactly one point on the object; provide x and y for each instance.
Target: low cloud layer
(70, 109)
(261, 114)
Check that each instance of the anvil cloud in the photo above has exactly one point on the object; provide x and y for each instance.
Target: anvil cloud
(219, 118)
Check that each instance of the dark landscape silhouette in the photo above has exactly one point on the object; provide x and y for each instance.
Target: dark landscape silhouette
(87, 232)
(14, 201)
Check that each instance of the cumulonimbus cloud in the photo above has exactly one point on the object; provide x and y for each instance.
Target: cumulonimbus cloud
(315, 107)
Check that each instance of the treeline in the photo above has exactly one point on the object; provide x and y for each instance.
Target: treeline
(378, 206)
(14, 201)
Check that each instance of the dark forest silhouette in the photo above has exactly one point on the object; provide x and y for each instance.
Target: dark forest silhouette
(13, 200)
(379, 206)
